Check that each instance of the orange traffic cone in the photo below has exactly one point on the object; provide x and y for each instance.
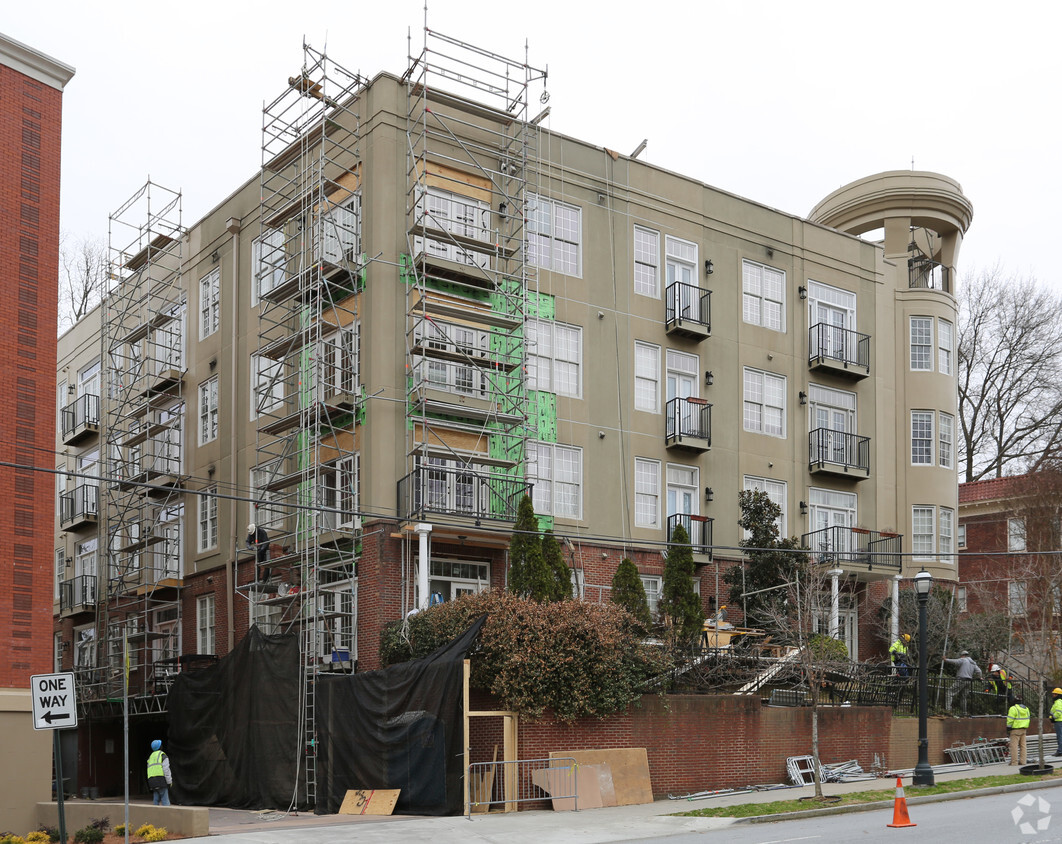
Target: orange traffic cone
(900, 818)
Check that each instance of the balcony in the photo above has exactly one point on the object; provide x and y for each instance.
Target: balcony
(77, 595)
(81, 418)
(688, 310)
(699, 530)
(689, 424)
(80, 506)
(856, 549)
(460, 492)
(926, 274)
(838, 350)
(837, 453)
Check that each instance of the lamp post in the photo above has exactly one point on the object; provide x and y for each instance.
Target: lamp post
(923, 773)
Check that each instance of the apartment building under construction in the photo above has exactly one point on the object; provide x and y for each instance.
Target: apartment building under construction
(425, 305)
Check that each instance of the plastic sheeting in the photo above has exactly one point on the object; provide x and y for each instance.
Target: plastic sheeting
(400, 727)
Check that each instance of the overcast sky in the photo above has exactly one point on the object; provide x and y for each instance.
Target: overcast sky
(780, 102)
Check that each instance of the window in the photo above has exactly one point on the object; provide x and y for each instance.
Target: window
(647, 377)
(776, 491)
(267, 385)
(960, 598)
(554, 235)
(459, 215)
(764, 403)
(341, 232)
(922, 532)
(60, 570)
(554, 358)
(449, 579)
(652, 584)
(832, 312)
(168, 553)
(1015, 534)
(962, 536)
(204, 624)
(89, 380)
(85, 557)
(267, 264)
(681, 261)
(944, 347)
(947, 534)
(338, 494)
(833, 513)
(921, 343)
(557, 474)
(763, 300)
(1017, 597)
(209, 303)
(646, 493)
(682, 486)
(208, 411)
(208, 520)
(922, 437)
(947, 440)
(264, 511)
(646, 262)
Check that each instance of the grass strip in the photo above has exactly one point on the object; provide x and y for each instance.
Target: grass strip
(781, 807)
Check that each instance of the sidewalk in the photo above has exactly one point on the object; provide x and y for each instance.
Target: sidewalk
(591, 826)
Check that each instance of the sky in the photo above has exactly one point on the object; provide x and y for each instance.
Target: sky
(779, 102)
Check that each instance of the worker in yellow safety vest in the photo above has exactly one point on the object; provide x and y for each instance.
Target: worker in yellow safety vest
(900, 655)
(1018, 726)
(158, 774)
(999, 682)
(1056, 719)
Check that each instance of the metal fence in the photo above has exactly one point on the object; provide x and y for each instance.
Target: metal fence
(508, 784)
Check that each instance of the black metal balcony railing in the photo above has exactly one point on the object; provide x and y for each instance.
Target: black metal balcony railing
(841, 345)
(855, 548)
(849, 451)
(925, 274)
(80, 414)
(688, 303)
(689, 418)
(460, 492)
(77, 592)
(698, 528)
(81, 503)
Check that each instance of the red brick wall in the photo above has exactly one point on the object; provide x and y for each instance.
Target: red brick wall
(30, 121)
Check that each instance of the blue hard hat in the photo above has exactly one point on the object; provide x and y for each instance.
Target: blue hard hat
(156, 745)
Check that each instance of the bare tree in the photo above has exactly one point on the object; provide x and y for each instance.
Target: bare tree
(83, 272)
(1010, 375)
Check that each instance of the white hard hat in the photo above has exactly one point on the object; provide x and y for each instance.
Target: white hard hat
(995, 667)
(250, 527)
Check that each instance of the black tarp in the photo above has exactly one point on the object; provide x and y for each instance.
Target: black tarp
(233, 727)
(399, 727)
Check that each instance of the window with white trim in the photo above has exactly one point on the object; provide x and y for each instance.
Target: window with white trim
(921, 437)
(646, 377)
(763, 295)
(60, 570)
(554, 357)
(646, 262)
(267, 385)
(209, 303)
(268, 264)
(208, 411)
(207, 505)
(264, 511)
(338, 494)
(944, 347)
(681, 261)
(961, 539)
(946, 446)
(1018, 597)
(204, 624)
(1015, 534)
(923, 532)
(557, 474)
(554, 235)
(776, 491)
(960, 598)
(946, 534)
(682, 486)
(830, 508)
(646, 492)
(764, 403)
(459, 215)
(921, 344)
(652, 583)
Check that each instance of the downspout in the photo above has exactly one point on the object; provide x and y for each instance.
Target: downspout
(233, 228)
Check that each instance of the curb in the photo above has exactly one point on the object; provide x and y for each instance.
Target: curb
(1034, 785)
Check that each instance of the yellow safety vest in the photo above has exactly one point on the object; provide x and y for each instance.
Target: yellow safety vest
(1018, 717)
(154, 768)
(1056, 710)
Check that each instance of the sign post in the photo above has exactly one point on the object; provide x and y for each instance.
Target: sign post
(55, 708)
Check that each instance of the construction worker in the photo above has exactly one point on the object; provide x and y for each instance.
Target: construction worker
(258, 541)
(999, 683)
(158, 774)
(966, 671)
(1017, 727)
(900, 655)
(1056, 718)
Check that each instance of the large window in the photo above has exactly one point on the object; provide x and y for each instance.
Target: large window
(947, 534)
(922, 437)
(647, 377)
(829, 508)
(923, 532)
(646, 262)
(209, 303)
(682, 486)
(764, 409)
(921, 343)
(1018, 597)
(267, 263)
(944, 343)
(1015, 534)
(338, 494)
(652, 583)
(204, 624)
(208, 411)
(946, 456)
(763, 295)
(458, 215)
(208, 520)
(646, 492)
(681, 261)
(554, 358)
(554, 240)
(776, 491)
(267, 385)
(557, 474)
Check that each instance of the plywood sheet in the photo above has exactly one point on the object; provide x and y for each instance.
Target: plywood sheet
(594, 787)
(369, 801)
(630, 771)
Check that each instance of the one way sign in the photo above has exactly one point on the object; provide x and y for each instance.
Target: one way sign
(54, 704)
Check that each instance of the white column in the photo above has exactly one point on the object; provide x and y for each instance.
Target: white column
(835, 601)
(423, 531)
(894, 624)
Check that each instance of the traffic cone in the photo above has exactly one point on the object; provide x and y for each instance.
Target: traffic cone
(900, 818)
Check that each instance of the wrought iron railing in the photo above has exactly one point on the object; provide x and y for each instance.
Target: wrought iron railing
(925, 274)
(848, 450)
(79, 591)
(82, 502)
(80, 413)
(688, 303)
(698, 528)
(846, 347)
(689, 418)
(855, 548)
(460, 492)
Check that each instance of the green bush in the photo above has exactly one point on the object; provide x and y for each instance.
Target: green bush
(88, 835)
(629, 592)
(827, 649)
(51, 831)
(572, 657)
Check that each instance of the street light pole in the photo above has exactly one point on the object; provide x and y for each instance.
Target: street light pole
(923, 773)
